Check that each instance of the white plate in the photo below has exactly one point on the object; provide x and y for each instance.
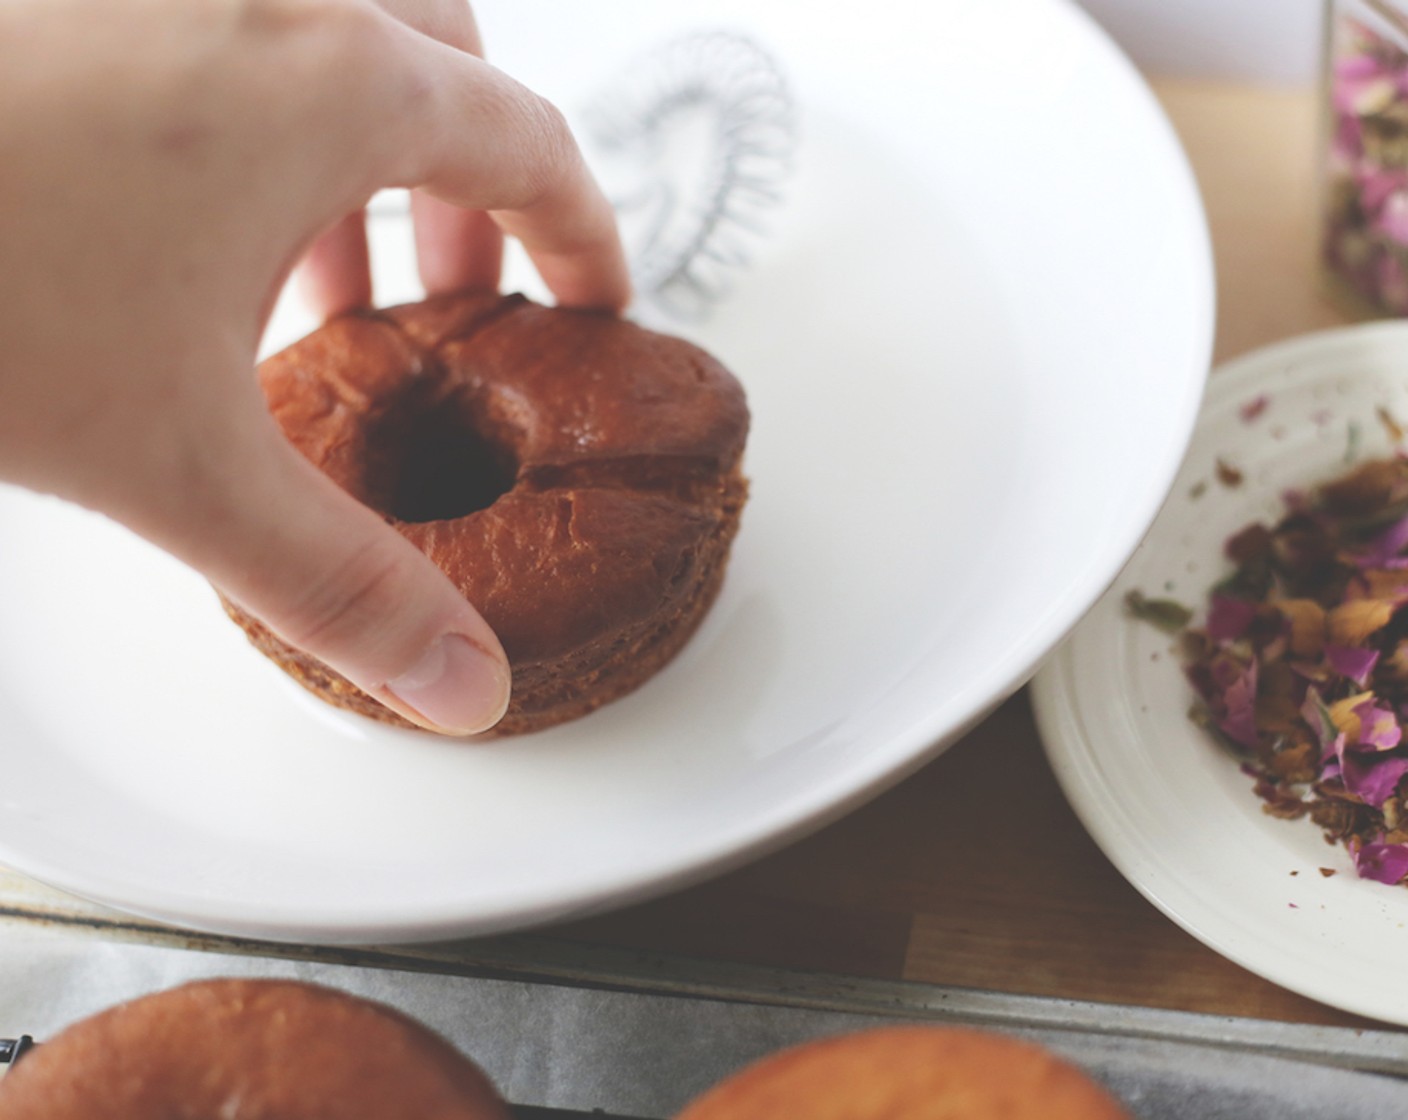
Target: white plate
(974, 341)
(1169, 807)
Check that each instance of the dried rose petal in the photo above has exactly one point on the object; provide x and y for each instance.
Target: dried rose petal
(1372, 777)
(1385, 548)
(1374, 781)
(1168, 615)
(1307, 621)
(1303, 658)
(1229, 618)
(1366, 489)
(1352, 623)
(1318, 717)
(1357, 66)
(1388, 584)
(1378, 186)
(1363, 96)
(1378, 727)
(1249, 545)
(1397, 663)
(1390, 423)
(1384, 863)
(1392, 221)
(1253, 408)
(1392, 281)
(1227, 474)
(1238, 702)
(1344, 713)
(1353, 662)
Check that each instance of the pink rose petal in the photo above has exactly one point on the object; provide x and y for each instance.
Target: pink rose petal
(1253, 408)
(1374, 780)
(1238, 715)
(1352, 662)
(1383, 551)
(1384, 863)
(1378, 726)
(1228, 618)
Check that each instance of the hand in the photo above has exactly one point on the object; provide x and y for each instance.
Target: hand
(172, 161)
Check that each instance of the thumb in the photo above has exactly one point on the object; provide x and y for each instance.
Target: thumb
(328, 576)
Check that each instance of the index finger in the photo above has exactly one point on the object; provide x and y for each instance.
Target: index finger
(476, 138)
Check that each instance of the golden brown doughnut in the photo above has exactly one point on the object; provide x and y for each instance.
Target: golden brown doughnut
(248, 1050)
(909, 1073)
(576, 476)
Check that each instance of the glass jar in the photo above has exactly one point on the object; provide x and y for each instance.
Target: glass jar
(1365, 186)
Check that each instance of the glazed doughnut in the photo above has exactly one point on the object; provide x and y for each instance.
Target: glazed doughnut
(575, 475)
(909, 1073)
(248, 1050)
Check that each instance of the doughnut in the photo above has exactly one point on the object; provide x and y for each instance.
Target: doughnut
(248, 1050)
(909, 1073)
(577, 477)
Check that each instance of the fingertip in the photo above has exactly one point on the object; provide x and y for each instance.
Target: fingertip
(600, 282)
(458, 686)
(573, 239)
(326, 576)
(589, 273)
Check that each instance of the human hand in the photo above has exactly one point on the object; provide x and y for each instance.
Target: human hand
(173, 160)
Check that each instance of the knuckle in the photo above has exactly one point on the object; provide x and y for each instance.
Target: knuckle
(551, 154)
(281, 15)
(359, 595)
(450, 21)
(330, 32)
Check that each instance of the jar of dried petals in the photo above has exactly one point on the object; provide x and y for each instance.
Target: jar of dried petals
(1365, 188)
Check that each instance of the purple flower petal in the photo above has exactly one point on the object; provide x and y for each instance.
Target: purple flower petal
(1383, 550)
(1372, 777)
(1335, 749)
(1392, 282)
(1378, 726)
(1384, 863)
(1377, 187)
(1362, 94)
(1317, 716)
(1392, 540)
(1253, 408)
(1347, 141)
(1358, 66)
(1352, 662)
(1238, 716)
(1308, 673)
(1392, 221)
(1228, 618)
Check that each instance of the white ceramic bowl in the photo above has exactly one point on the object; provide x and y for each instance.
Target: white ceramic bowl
(974, 340)
(1170, 807)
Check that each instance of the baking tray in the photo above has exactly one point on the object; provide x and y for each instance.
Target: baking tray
(567, 1029)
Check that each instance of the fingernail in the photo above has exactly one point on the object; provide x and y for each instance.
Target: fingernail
(456, 685)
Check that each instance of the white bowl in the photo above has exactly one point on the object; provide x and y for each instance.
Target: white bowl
(1168, 805)
(974, 340)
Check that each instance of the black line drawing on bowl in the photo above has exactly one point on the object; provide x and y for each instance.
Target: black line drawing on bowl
(695, 139)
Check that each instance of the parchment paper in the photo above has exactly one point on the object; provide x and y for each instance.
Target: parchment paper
(645, 1055)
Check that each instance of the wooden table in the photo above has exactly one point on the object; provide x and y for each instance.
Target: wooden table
(934, 882)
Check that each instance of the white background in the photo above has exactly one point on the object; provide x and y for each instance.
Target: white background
(1271, 41)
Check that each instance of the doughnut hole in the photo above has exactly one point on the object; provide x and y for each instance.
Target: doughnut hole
(437, 461)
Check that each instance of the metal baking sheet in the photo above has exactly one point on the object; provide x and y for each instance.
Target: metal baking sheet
(569, 1027)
